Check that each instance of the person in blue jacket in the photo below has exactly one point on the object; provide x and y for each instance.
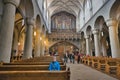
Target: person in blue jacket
(54, 65)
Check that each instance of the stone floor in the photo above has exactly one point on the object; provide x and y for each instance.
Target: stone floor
(83, 72)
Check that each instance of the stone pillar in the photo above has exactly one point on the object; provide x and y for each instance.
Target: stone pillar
(104, 51)
(15, 45)
(37, 44)
(96, 43)
(83, 46)
(43, 48)
(114, 41)
(40, 46)
(28, 39)
(87, 45)
(7, 27)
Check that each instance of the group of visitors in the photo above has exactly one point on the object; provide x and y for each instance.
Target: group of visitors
(54, 53)
(72, 57)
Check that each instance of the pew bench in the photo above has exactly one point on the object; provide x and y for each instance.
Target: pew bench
(30, 60)
(111, 66)
(102, 64)
(36, 59)
(27, 67)
(34, 75)
(85, 60)
(89, 62)
(118, 69)
(95, 61)
(29, 63)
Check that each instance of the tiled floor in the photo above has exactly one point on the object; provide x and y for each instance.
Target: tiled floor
(82, 72)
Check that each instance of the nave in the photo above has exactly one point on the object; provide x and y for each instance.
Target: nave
(37, 68)
(83, 72)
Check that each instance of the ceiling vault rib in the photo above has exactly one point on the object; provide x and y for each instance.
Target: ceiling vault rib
(71, 6)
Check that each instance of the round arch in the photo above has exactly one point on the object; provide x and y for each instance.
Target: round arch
(115, 10)
(38, 22)
(62, 46)
(88, 30)
(99, 22)
(64, 41)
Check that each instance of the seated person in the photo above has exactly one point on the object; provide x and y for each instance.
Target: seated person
(54, 65)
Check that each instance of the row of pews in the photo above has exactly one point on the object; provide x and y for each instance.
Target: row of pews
(107, 65)
(33, 69)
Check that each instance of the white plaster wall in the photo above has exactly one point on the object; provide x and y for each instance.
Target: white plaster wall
(37, 10)
(87, 11)
(97, 4)
(104, 11)
(81, 20)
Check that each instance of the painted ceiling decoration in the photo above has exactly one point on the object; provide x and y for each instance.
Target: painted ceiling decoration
(71, 6)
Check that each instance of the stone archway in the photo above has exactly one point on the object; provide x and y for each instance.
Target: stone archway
(88, 41)
(102, 34)
(83, 43)
(62, 46)
(115, 14)
(113, 28)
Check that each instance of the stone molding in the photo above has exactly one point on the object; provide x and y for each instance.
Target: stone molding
(112, 22)
(95, 31)
(30, 21)
(14, 2)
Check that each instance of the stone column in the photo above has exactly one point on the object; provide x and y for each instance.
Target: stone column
(104, 51)
(28, 39)
(7, 27)
(83, 46)
(37, 44)
(43, 48)
(87, 45)
(114, 41)
(96, 43)
(15, 45)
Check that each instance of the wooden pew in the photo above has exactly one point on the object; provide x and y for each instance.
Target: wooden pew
(34, 75)
(95, 61)
(39, 59)
(89, 61)
(33, 69)
(26, 67)
(111, 66)
(102, 64)
(118, 69)
(29, 63)
(85, 60)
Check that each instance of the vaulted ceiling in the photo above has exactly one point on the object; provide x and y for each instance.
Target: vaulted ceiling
(71, 6)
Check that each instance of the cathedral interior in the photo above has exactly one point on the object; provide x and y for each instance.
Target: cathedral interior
(32, 29)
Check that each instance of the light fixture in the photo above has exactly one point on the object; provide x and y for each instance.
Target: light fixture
(18, 43)
(44, 42)
(34, 33)
(40, 38)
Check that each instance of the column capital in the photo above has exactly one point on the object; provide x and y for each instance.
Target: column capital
(95, 31)
(86, 36)
(30, 21)
(112, 22)
(14, 2)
